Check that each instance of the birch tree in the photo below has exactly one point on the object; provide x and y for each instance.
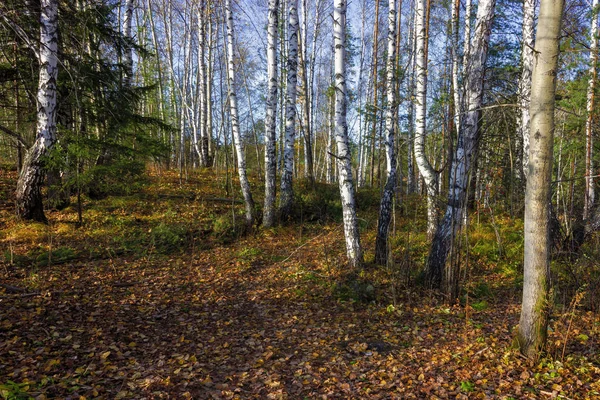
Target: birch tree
(525, 80)
(533, 324)
(203, 85)
(128, 53)
(235, 124)
(385, 209)
(29, 195)
(270, 122)
(455, 16)
(589, 145)
(287, 194)
(464, 154)
(344, 156)
(429, 174)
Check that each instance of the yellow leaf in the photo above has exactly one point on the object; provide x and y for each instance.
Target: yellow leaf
(105, 355)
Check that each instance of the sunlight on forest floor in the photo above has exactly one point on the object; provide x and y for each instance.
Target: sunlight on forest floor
(157, 296)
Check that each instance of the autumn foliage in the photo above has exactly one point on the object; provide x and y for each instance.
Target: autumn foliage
(158, 295)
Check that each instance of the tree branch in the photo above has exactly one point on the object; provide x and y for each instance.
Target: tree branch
(14, 135)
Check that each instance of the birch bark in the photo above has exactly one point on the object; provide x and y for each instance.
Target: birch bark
(430, 176)
(29, 195)
(589, 145)
(533, 324)
(128, 54)
(455, 67)
(464, 154)
(270, 120)
(385, 209)
(287, 194)
(235, 124)
(353, 247)
(525, 81)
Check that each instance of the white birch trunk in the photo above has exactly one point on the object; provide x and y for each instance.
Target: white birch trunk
(209, 101)
(464, 154)
(202, 83)
(270, 116)
(360, 180)
(429, 174)
(385, 209)
(411, 186)
(589, 161)
(533, 324)
(28, 194)
(467, 34)
(235, 125)
(344, 157)
(455, 67)
(525, 81)
(128, 51)
(287, 194)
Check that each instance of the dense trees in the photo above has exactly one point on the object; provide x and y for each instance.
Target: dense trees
(122, 84)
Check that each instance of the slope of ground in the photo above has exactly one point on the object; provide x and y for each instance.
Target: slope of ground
(156, 297)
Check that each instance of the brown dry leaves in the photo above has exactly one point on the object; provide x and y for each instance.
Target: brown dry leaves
(234, 321)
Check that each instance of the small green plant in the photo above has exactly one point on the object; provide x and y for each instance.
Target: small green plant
(14, 391)
(480, 305)
(467, 386)
(224, 229)
(57, 256)
(168, 238)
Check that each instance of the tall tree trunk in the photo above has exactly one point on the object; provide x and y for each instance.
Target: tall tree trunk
(235, 125)
(330, 133)
(411, 186)
(467, 34)
(455, 66)
(28, 196)
(525, 81)
(209, 83)
(344, 156)
(203, 20)
(306, 101)
(270, 120)
(464, 155)
(311, 74)
(425, 168)
(385, 209)
(375, 61)
(360, 171)
(589, 145)
(287, 194)
(128, 53)
(533, 323)
(161, 107)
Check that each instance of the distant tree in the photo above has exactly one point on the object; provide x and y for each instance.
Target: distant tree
(589, 131)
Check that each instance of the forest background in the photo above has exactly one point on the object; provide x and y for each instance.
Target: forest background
(363, 172)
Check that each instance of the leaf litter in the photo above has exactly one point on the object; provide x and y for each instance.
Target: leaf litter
(257, 317)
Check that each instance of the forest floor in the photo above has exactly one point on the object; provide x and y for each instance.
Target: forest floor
(155, 297)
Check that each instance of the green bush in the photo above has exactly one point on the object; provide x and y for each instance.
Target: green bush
(169, 238)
